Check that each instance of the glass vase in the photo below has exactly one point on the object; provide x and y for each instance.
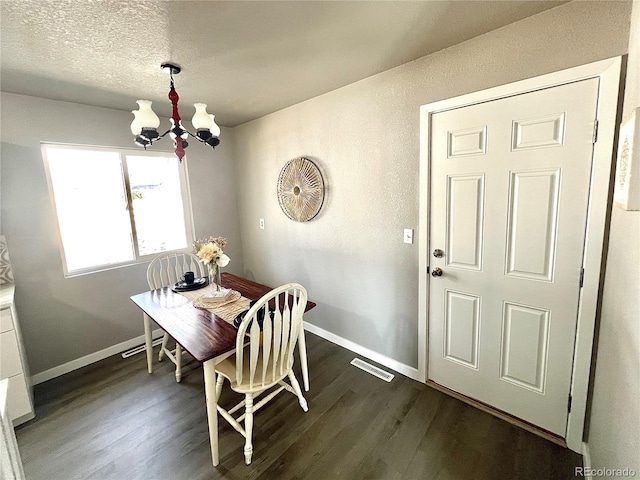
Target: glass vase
(214, 277)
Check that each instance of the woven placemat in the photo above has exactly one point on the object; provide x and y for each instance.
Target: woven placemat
(228, 310)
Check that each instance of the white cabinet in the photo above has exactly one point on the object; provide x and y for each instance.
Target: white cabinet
(13, 362)
(10, 464)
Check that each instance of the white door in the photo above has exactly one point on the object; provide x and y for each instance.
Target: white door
(509, 193)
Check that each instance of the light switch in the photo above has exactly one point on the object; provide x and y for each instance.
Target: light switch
(408, 235)
(262, 224)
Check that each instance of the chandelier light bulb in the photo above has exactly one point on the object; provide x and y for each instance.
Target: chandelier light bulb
(201, 119)
(146, 116)
(215, 129)
(136, 128)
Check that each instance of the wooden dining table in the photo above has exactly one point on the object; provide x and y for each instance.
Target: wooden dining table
(205, 336)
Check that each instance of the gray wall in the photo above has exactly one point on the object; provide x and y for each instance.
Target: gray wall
(614, 430)
(366, 138)
(63, 319)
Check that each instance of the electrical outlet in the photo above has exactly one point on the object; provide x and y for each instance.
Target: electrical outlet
(408, 235)
(262, 224)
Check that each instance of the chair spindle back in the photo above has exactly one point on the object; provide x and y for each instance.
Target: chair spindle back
(167, 269)
(270, 351)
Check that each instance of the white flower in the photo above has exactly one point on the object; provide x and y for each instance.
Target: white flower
(223, 260)
(211, 254)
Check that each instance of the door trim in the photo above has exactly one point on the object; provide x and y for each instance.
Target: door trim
(608, 72)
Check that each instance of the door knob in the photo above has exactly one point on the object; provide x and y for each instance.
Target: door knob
(437, 272)
(438, 253)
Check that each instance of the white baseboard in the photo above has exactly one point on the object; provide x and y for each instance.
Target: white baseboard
(586, 460)
(395, 365)
(89, 359)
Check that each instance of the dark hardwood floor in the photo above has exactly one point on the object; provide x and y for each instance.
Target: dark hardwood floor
(111, 420)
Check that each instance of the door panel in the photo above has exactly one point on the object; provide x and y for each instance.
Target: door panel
(545, 131)
(470, 141)
(509, 194)
(531, 230)
(465, 207)
(462, 318)
(525, 338)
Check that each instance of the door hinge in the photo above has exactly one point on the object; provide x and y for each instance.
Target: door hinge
(428, 270)
(569, 405)
(581, 277)
(595, 131)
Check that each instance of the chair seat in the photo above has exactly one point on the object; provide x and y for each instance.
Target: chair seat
(227, 368)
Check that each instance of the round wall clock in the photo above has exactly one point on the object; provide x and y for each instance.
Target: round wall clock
(300, 189)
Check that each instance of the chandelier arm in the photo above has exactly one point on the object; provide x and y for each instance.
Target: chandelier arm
(192, 135)
(206, 142)
(162, 136)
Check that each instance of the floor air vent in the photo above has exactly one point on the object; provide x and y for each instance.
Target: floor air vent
(140, 348)
(372, 369)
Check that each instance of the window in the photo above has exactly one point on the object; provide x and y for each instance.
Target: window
(115, 207)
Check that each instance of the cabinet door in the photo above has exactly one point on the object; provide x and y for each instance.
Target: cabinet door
(6, 322)
(10, 364)
(18, 400)
(11, 466)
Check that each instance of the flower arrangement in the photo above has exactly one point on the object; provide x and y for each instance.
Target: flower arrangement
(210, 252)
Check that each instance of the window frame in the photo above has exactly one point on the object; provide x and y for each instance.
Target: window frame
(122, 153)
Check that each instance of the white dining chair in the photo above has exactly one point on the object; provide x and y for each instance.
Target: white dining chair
(164, 271)
(263, 359)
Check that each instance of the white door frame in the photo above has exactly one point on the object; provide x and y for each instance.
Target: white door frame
(608, 72)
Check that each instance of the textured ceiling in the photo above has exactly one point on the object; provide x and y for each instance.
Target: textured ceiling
(244, 59)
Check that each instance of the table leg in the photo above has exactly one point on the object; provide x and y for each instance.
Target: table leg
(302, 350)
(212, 407)
(148, 342)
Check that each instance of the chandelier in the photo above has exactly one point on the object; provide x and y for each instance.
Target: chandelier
(145, 122)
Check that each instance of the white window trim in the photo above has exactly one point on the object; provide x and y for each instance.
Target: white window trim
(123, 152)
